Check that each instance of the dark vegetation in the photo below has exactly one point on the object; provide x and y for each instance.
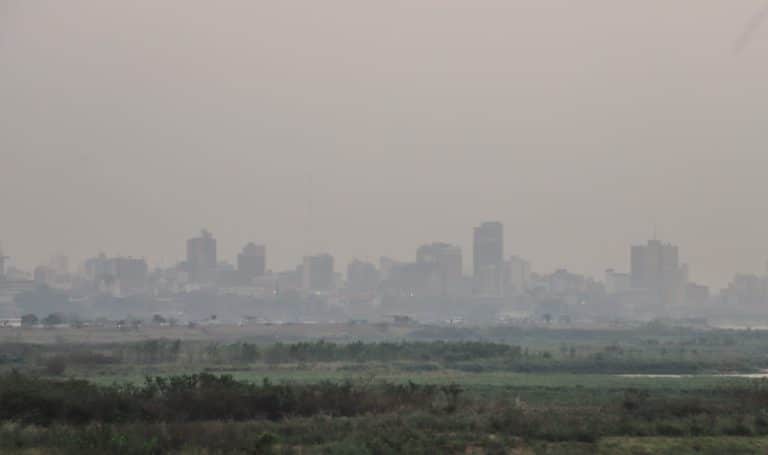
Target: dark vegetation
(701, 354)
(49, 404)
(199, 397)
(180, 412)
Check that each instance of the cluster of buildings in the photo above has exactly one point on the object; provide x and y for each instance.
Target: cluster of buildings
(435, 280)
(657, 280)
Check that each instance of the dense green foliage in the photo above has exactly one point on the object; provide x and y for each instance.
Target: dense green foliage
(203, 396)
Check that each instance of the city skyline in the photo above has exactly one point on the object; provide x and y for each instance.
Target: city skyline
(202, 259)
(418, 226)
(279, 128)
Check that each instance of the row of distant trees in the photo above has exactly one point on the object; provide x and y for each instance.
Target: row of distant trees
(152, 351)
(53, 319)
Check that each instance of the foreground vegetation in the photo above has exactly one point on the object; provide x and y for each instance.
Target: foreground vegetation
(218, 413)
(534, 392)
(505, 350)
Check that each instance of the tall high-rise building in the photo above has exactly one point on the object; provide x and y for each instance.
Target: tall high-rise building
(446, 257)
(446, 263)
(97, 268)
(131, 274)
(317, 273)
(252, 262)
(124, 274)
(517, 275)
(201, 258)
(655, 267)
(488, 246)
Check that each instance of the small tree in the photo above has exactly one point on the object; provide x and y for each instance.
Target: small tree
(53, 319)
(29, 320)
(55, 366)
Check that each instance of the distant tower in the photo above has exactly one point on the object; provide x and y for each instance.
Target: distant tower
(252, 262)
(447, 258)
(317, 273)
(488, 256)
(446, 262)
(656, 267)
(131, 274)
(201, 258)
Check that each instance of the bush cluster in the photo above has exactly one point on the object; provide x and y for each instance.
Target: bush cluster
(198, 397)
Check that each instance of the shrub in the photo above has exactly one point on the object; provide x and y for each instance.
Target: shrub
(56, 366)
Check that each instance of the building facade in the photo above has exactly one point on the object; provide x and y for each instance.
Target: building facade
(201, 258)
(488, 259)
(317, 273)
(252, 261)
(656, 268)
(446, 264)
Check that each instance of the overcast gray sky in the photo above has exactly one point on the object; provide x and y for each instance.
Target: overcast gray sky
(127, 126)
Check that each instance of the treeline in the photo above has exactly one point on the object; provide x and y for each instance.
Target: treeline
(226, 416)
(168, 351)
(201, 397)
(468, 356)
(34, 400)
(436, 351)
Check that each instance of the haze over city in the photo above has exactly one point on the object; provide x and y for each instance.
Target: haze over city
(398, 227)
(368, 130)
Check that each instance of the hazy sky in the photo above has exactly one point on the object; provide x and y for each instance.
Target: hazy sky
(128, 126)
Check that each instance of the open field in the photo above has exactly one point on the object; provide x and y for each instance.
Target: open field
(540, 336)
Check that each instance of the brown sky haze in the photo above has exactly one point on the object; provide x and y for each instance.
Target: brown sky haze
(128, 126)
